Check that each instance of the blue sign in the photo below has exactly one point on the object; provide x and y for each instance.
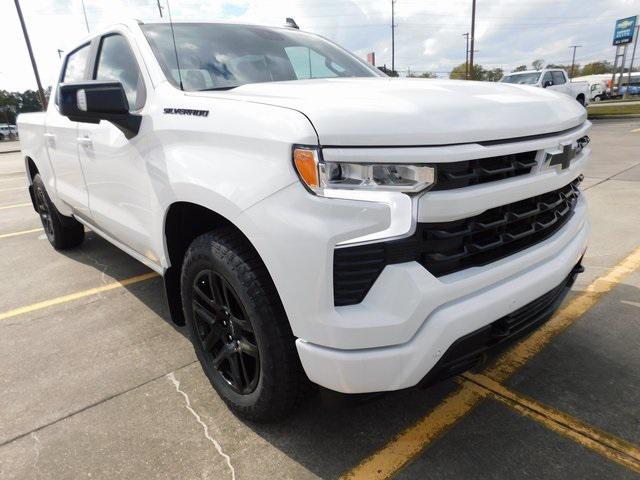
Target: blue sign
(625, 28)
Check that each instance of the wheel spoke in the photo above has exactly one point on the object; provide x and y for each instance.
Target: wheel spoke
(242, 324)
(248, 348)
(245, 375)
(203, 296)
(236, 374)
(222, 356)
(203, 313)
(217, 287)
(212, 337)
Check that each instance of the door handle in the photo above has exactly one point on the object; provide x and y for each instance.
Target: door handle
(85, 141)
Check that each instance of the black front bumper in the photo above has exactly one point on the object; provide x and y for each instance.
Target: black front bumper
(476, 347)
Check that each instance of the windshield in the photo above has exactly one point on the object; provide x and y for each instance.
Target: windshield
(223, 56)
(522, 78)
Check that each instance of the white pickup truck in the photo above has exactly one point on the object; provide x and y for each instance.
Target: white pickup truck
(312, 218)
(553, 79)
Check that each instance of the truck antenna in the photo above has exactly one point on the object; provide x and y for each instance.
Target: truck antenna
(175, 48)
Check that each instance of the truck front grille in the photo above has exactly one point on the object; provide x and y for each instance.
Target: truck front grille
(473, 172)
(447, 247)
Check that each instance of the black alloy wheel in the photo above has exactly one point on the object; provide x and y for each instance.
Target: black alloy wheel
(45, 212)
(225, 332)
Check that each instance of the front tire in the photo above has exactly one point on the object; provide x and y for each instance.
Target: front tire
(238, 327)
(62, 232)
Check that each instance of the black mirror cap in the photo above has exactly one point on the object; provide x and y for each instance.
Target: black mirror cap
(92, 101)
(546, 84)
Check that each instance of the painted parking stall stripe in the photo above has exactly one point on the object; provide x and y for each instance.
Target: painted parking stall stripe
(22, 232)
(77, 295)
(406, 445)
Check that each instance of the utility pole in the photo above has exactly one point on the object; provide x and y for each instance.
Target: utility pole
(393, 36)
(60, 53)
(159, 8)
(43, 100)
(84, 10)
(633, 55)
(573, 61)
(466, 58)
(473, 40)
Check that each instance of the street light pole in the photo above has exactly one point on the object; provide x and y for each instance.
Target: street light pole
(43, 100)
(466, 58)
(159, 8)
(473, 40)
(393, 36)
(84, 11)
(573, 61)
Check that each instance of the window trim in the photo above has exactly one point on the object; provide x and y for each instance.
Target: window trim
(142, 93)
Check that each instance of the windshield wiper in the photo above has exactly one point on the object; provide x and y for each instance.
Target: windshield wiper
(218, 88)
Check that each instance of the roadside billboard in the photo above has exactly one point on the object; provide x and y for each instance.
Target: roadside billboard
(625, 28)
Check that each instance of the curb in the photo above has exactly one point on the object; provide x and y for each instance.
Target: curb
(614, 117)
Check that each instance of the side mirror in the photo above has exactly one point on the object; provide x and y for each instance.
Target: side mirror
(547, 83)
(90, 102)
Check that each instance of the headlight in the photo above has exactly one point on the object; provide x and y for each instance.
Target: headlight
(320, 176)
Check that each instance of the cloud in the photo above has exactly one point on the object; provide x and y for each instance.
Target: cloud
(428, 32)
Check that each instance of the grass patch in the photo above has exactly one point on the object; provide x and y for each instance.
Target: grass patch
(619, 109)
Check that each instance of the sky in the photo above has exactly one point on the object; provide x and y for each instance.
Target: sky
(428, 32)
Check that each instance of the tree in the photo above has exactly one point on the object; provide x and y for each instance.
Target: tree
(595, 68)
(479, 73)
(458, 72)
(520, 68)
(422, 75)
(537, 64)
(493, 75)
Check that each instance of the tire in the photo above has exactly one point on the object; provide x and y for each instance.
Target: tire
(63, 232)
(239, 328)
(598, 98)
(581, 100)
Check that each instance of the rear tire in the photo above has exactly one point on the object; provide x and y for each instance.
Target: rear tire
(62, 232)
(239, 328)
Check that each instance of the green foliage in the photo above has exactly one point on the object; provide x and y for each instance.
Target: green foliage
(537, 64)
(16, 102)
(478, 73)
(595, 68)
(520, 68)
(388, 71)
(422, 75)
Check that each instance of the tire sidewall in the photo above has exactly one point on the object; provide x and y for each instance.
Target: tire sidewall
(38, 186)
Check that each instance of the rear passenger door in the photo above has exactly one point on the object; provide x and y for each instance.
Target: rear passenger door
(116, 173)
(61, 137)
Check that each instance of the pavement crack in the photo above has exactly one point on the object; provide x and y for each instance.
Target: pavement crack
(176, 384)
(36, 448)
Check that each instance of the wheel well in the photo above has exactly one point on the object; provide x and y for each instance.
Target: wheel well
(184, 222)
(580, 97)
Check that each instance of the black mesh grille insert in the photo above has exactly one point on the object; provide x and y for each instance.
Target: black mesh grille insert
(473, 172)
(448, 247)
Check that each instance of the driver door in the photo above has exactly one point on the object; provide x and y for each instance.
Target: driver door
(116, 174)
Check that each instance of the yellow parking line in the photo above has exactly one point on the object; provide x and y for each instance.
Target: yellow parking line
(75, 296)
(607, 445)
(409, 443)
(17, 205)
(636, 130)
(23, 232)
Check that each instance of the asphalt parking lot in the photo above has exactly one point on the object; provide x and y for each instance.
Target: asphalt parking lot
(95, 381)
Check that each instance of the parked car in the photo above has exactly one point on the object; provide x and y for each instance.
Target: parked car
(314, 220)
(8, 131)
(553, 79)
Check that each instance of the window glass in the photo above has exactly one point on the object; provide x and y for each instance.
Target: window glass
(547, 78)
(558, 78)
(76, 64)
(522, 78)
(223, 56)
(117, 63)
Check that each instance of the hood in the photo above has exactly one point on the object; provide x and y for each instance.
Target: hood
(382, 111)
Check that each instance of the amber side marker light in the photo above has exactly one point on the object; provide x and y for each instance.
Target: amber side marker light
(307, 166)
